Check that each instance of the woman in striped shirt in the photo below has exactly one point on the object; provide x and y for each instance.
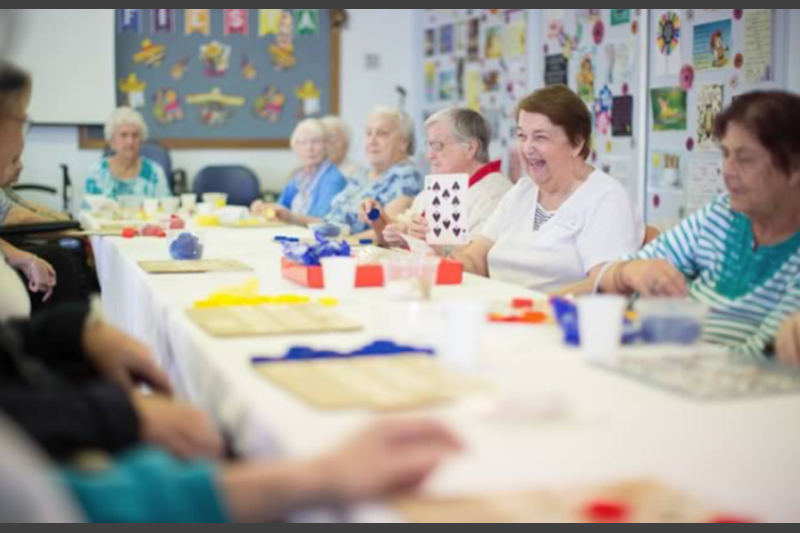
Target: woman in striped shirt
(740, 254)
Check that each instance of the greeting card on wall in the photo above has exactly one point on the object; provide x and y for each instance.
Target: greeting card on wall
(712, 45)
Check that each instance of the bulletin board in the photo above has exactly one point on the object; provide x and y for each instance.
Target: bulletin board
(226, 78)
(597, 53)
(477, 58)
(701, 59)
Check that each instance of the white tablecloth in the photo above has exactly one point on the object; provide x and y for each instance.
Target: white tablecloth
(741, 457)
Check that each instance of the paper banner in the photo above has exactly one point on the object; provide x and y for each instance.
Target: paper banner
(163, 21)
(236, 21)
(198, 21)
(269, 21)
(130, 20)
(758, 46)
(307, 21)
(712, 45)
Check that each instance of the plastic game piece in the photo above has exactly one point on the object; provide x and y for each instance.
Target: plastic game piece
(522, 303)
(374, 215)
(130, 233)
(187, 247)
(606, 512)
(176, 222)
(152, 231)
(327, 231)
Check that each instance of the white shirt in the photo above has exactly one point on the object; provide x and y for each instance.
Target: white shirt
(596, 225)
(482, 199)
(14, 299)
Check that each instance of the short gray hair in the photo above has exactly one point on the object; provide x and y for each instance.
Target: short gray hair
(404, 124)
(333, 122)
(126, 116)
(309, 124)
(467, 126)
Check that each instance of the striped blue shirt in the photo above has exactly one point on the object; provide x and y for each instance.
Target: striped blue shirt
(751, 290)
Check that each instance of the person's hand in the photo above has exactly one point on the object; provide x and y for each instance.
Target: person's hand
(257, 208)
(122, 359)
(182, 430)
(418, 228)
(395, 234)
(41, 277)
(366, 207)
(391, 457)
(652, 279)
(788, 343)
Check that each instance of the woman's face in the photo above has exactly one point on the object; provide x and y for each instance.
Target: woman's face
(337, 146)
(756, 186)
(12, 134)
(126, 141)
(446, 154)
(385, 145)
(311, 148)
(544, 149)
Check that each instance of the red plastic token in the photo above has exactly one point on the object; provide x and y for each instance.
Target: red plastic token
(522, 303)
(129, 233)
(607, 512)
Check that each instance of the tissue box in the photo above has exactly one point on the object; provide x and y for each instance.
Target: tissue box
(367, 276)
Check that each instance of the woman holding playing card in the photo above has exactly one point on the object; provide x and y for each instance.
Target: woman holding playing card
(457, 143)
(566, 219)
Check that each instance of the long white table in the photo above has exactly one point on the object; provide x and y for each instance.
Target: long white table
(740, 457)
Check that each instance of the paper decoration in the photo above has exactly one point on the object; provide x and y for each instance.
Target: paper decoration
(198, 21)
(622, 117)
(307, 21)
(585, 78)
(167, 107)
(130, 20)
(216, 108)
(668, 40)
(310, 98)
(163, 21)
(666, 170)
(447, 86)
(669, 109)
(269, 105)
(134, 89)
(473, 85)
(758, 47)
(216, 58)
(430, 42)
(516, 35)
(431, 75)
(620, 60)
(602, 111)
(598, 32)
(446, 39)
(179, 69)
(236, 21)
(494, 43)
(282, 51)
(687, 77)
(712, 45)
(705, 183)
(151, 55)
(249, 71)
(269, 21)
(556, 70)
(709, 106)
(474, 39)
(620, 17)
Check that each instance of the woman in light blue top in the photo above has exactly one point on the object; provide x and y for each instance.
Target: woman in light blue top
(318, 181)
(740, 254)
(126, 173)
(392, 179)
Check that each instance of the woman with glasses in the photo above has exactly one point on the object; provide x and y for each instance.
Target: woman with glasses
(316, 184)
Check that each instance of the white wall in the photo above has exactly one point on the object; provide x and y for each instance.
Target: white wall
(387, 33)
(794, 44)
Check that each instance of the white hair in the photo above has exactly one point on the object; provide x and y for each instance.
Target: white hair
(310, 124)
(404, 124)
(467, 126)
(126, 116)
(332, 122)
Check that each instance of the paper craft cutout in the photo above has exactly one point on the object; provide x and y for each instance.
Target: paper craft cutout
(310, 98)
(167, 107)
(282, 51)
(269, 105)
(216, 58)
(134, 88)
(151, 54)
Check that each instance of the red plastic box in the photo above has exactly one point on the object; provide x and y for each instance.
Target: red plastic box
(450, 273)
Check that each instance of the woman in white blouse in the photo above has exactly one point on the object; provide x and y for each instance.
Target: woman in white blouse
(566, 219)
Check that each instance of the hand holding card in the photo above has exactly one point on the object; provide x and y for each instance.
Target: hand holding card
(447, 210)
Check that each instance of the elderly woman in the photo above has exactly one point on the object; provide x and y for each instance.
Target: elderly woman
(15, 94)
(740, 254)
(126, 173)
(339, 139)
(392, 181)
(566, 219)
(318, 181)
(457, 143)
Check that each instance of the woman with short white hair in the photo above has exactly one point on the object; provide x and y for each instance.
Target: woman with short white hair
(126, 173)
(313, 188)
(339, 142)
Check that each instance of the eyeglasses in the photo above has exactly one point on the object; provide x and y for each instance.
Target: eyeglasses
(437, 147)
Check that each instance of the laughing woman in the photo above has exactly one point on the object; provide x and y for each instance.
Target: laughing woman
(566, 219)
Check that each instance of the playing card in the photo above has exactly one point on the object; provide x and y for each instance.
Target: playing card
(447, 209)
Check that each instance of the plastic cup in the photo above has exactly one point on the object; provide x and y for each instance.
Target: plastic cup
(601, 319)
(463, 329)
(339, 274)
